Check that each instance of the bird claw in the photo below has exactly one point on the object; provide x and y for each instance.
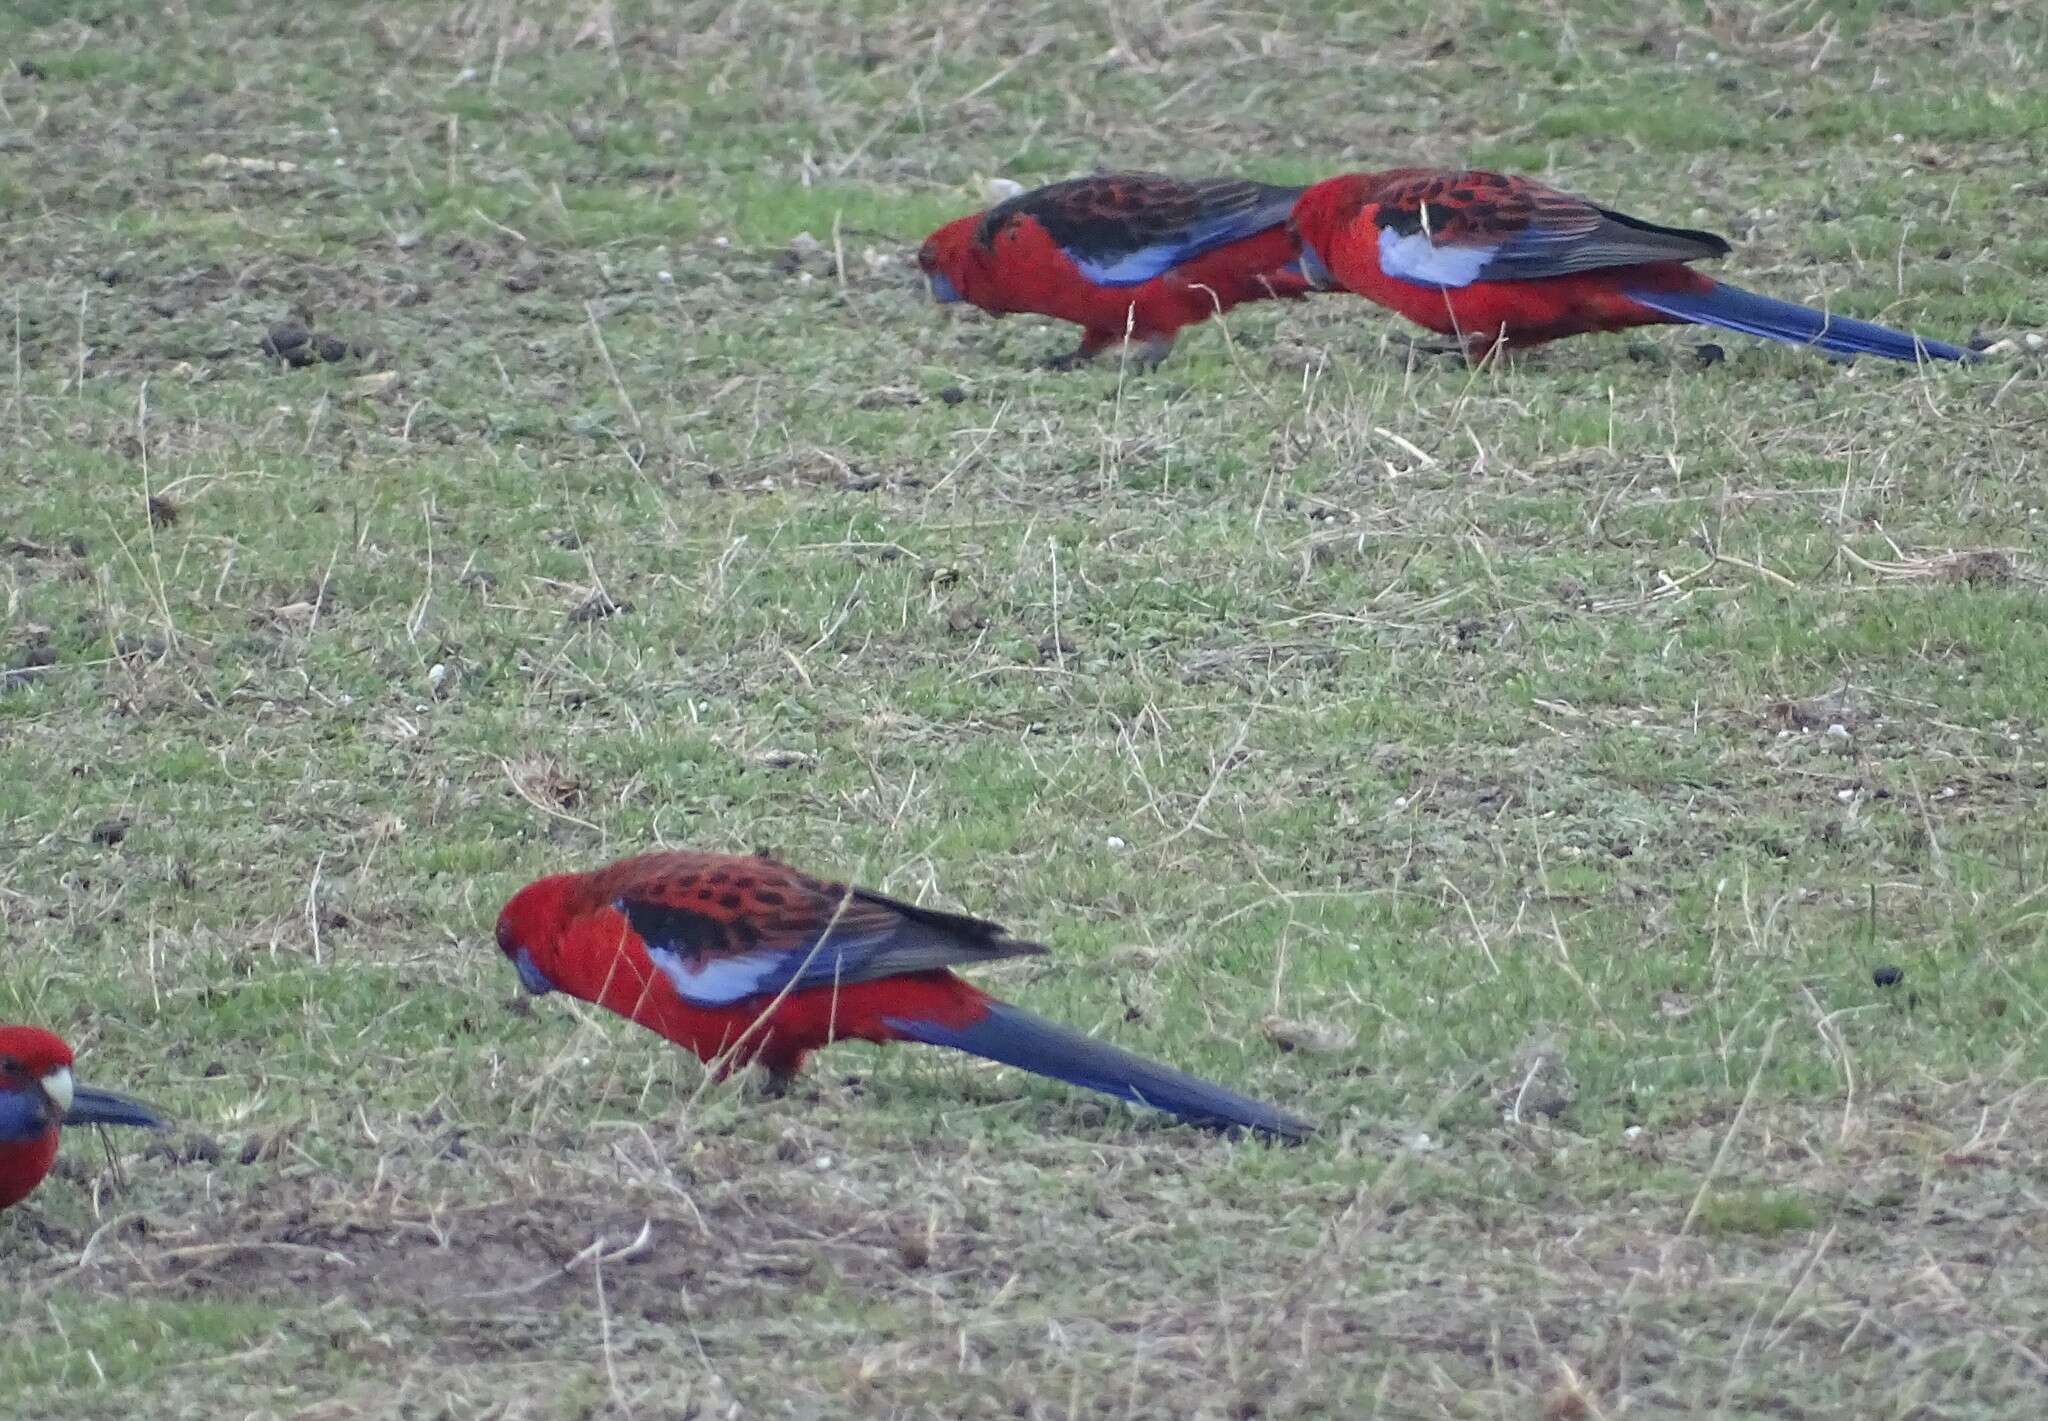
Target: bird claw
(1142, 355)
(1431, 348)
(1151, 354)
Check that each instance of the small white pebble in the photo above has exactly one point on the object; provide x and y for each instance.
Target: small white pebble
(466, 76)
(333, 132)
(1355, 947)
(1632, 1132)
(1400, 801)
(2035, 340)
(1420, 1142)
(721, 241)
(824, 1161)
(1839, 731)
(1114, 842)
(666, 278)
(1845, 795)
(341, 162)
(1636, 724)
(804, 278)
(804, 244)
(1898, 138)
(437, 674)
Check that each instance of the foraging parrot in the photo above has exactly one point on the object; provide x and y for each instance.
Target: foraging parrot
(1120, 254)
(1485, 258)
(747, 960)
(37, 1097)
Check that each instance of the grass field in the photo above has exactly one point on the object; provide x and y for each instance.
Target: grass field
(1521, 772)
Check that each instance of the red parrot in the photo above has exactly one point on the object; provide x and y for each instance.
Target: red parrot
(1485, 258)
(743, 959)
(1121, 253)
(37, 1096)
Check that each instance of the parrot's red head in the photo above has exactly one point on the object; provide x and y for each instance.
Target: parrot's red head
(1320, 213)
(530, 929)
(954, 262)
(37, 1095)
(36, 1064)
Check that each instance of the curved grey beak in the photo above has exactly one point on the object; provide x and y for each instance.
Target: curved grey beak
(1313, 271)
(530, 976)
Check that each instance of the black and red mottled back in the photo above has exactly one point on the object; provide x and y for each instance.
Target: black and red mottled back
(1110, 215)
(700, 910)
(1537, 231)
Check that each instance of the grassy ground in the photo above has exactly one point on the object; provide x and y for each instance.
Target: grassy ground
(1523, 773)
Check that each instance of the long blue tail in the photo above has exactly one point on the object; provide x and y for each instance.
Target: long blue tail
(1733, 309)
(103, 1107)
(1030, 1043)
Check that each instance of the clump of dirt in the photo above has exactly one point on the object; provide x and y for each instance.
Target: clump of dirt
(596, 608)
(1815, 713)
(25, 665)
(296, 346)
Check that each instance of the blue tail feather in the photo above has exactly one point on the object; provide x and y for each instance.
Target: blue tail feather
(1733, 309)
(103, 1107)
(1030, 1043)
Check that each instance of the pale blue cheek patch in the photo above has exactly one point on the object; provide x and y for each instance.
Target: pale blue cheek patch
(1415, 258)
(21, 1115)
(944, 291)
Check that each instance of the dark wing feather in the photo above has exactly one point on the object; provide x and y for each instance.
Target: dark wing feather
(1124, 229)
(723, 928)
(1451, 229)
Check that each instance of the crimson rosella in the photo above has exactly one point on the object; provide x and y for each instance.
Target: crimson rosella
(1121, 254)
(37, 1097)
(745, 960)
(1485, 258)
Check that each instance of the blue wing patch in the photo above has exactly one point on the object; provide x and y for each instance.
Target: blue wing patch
(1155, 259)
(720, 981)
(676, 940)
(1413, 257)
